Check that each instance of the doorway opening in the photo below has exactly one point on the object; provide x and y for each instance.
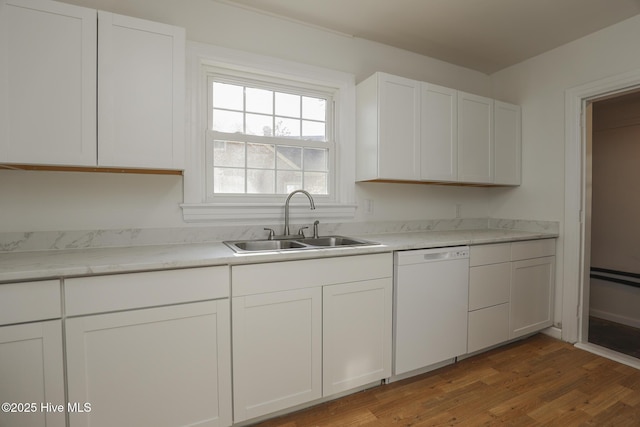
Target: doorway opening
(578, 208)
(614, 275)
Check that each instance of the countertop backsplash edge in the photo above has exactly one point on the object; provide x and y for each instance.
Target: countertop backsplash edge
(85, 239)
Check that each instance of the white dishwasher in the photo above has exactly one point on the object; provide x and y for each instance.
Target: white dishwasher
(430, 306)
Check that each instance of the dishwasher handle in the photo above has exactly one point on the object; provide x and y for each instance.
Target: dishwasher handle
(431, 255)
(436, 256)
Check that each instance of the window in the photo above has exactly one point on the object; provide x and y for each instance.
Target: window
(261, 127)
(267, 139)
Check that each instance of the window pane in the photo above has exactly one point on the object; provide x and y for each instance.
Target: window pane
(314, 108)
(289, 157)
(227, 96)
(259, 100)
(316, 182)
(259, 125)
(228, 153)
(260, 181)
(315, 159)
(287, 127)
(271, 114)
(287, 181)
(313, 130)
(227, 180)
(287, 105)
(227, 121)
(261, 156)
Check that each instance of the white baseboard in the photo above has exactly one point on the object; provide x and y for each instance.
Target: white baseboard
(613, 317)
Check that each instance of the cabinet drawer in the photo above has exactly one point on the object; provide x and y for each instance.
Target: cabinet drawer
(533, 249)
(29, 301)
(287, 275)
(489, 254)
(489, 285)
(96, 294)
(487, 327)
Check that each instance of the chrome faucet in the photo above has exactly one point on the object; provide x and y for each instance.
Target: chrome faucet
(286, 208)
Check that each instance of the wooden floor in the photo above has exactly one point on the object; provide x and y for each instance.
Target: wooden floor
(539, 381)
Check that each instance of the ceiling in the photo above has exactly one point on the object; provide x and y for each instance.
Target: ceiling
(484, 35)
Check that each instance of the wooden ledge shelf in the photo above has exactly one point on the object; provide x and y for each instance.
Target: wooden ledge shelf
(457, 184)
(90, 169)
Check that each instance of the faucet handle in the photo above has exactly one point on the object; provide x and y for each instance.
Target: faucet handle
(271, 233)
(301, 231)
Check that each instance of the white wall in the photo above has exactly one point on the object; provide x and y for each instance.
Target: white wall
(38, 201)
(539, 86)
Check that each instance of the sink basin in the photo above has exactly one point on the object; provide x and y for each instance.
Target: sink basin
(325, 242)
(264, 245)
(334, 241)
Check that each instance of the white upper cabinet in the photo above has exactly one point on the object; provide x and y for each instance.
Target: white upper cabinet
(417, 131)
(140, 93)
(86, 88)
(388, 128)
(439, 133)
(507, 144)
(475, 138)
(47, 83)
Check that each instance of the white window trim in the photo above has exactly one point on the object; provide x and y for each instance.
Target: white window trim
(195, 209)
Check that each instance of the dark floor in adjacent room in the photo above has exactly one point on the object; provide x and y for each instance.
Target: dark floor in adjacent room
(615, 336)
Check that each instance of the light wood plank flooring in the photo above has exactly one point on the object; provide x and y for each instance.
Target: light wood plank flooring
(538, 381)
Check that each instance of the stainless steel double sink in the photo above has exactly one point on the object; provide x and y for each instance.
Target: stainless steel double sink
(296, 243)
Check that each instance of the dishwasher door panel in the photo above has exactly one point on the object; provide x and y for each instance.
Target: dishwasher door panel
(431, 308)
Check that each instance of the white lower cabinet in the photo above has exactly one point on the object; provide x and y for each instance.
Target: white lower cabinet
(489, 288)
(356, 334)
(277, 349)
(511, 291)
(307, 329)
(31, 362)
(532, 288)
(31, 373)
(146, 365)
(488, 327)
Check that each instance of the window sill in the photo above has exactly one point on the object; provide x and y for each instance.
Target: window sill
(265, 213)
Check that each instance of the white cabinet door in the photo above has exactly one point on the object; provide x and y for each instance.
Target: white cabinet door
(388, 128)
(507, 144)
(31, 371)
(164, 366)
(277, 351)
(488, 326)
(140, 93)
(47, 83)
(438, 133)
(532, 291)
(489, 285)
(475, 138)
(399, 128)
(357, 329)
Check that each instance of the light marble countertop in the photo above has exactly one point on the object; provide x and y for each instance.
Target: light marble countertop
(36, 265)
